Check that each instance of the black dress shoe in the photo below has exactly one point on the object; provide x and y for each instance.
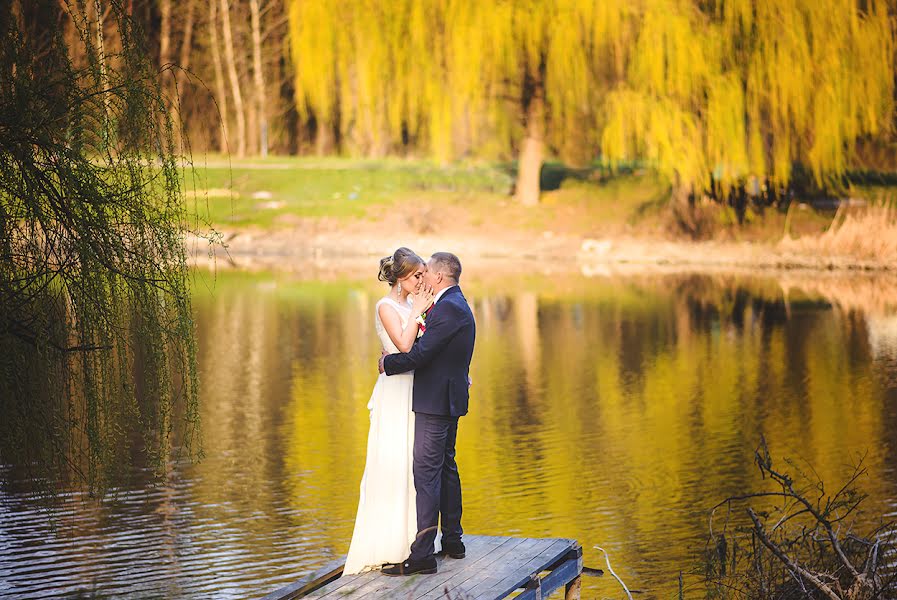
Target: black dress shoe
(412, 567)
(453, 549)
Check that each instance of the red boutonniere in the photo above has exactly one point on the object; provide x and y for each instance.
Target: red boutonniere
(421, 320)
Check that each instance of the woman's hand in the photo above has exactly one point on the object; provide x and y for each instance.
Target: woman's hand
(421, 301)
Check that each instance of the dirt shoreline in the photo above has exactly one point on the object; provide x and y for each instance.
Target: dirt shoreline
(301, 248)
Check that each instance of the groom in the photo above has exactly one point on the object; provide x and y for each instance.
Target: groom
(440, 360)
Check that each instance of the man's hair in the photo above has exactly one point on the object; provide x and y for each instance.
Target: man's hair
(447, 264)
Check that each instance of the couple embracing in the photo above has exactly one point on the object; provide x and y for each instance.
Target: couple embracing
(409, 508)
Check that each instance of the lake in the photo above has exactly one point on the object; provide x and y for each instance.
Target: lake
(613, 409)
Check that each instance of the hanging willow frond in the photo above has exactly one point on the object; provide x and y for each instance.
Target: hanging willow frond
(706, 92)
(769, 85)
(451, 74)
(95, 319)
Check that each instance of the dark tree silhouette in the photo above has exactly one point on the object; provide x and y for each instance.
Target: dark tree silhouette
(96, 336)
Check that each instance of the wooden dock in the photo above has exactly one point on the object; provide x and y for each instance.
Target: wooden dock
(495, 567)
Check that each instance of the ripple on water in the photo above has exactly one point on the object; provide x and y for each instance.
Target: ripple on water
(618, 414)
(132, 546)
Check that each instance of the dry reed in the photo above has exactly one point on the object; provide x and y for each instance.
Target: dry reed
(868, 233)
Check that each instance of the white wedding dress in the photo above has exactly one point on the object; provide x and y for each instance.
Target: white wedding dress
(386, 522)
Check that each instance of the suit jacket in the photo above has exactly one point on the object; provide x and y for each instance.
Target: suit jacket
(440, 358)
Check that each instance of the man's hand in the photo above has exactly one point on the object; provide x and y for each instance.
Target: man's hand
(383, 355)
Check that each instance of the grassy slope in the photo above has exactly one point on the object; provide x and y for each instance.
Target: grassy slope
(340, 188)
(281, 192)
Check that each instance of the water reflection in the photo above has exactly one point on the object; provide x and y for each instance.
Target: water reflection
(611, 410)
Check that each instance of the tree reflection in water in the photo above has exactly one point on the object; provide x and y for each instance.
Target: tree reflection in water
(613, 410)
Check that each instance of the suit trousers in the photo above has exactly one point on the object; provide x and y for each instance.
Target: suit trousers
(436, 482)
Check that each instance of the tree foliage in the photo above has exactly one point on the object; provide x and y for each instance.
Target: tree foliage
(709, 93)
(96, 328)
(736, 88)
(451, 77)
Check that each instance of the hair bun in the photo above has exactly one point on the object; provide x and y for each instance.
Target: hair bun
(401, 264)
(386, 270)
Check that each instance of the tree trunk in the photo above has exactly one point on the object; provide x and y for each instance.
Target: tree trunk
(167, 83)
(259, 77)
(186, 45)
(220, 90)
(72, 39)
(529, 166)
(179, 77)
(324, 142)
(686, 216)
(104, 75)
(164, 32)
(239, 109)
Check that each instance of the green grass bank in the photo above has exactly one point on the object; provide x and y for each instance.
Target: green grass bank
(348, 206)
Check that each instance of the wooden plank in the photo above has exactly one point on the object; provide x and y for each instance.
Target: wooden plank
(484, 580)
(561, 576)
(475, 546)
(339, 583)
(521, 569)
(319, 578)
(344, 585)
(372, 584)
(385, 586)
(492, 550)
(574, 588)
(464, 582)
(433, 586)
(359, 582)
(566, 572)
(494, 567)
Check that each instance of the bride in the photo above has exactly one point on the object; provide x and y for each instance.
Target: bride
(386, 522)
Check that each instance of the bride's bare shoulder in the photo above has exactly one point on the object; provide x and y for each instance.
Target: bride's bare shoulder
(385, 303)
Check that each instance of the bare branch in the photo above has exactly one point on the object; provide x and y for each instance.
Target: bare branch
(787, 483)
(792, 565)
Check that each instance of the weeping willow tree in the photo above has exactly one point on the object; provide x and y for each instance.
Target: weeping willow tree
(540, 68)
(454, 78)
(711, 94)
(96, 336)
(716, 93)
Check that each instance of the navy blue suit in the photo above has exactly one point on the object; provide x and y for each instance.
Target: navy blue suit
(440, 360)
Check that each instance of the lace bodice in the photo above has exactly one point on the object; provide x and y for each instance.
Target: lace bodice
(404, 313)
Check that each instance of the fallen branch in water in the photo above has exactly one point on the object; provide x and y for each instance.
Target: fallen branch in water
(611, 571)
